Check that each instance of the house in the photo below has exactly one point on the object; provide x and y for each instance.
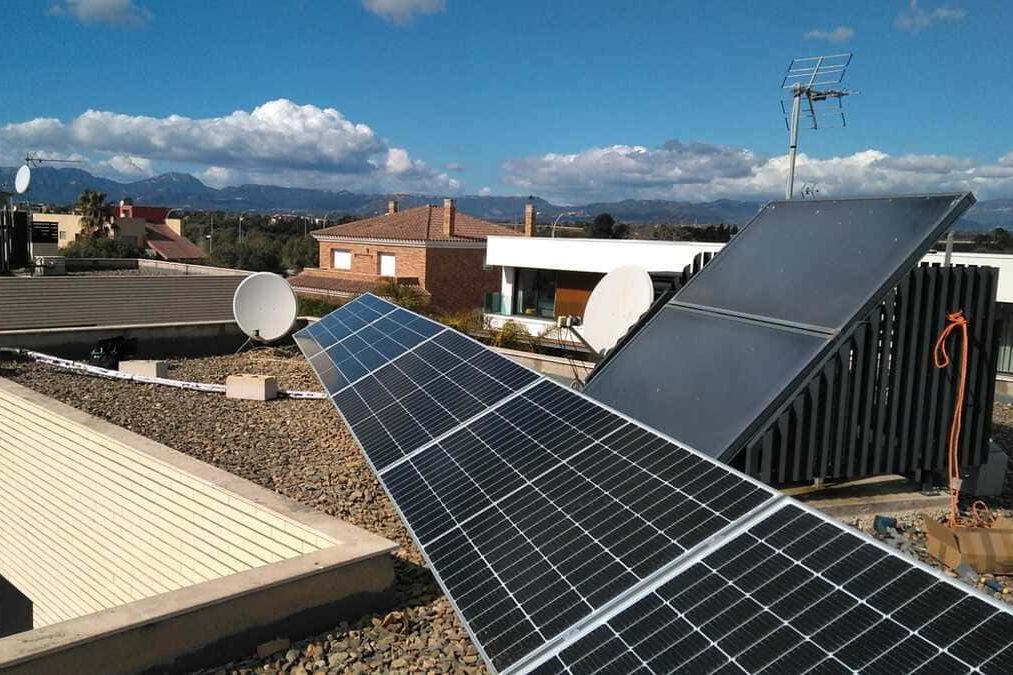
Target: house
(437, 249)
(544, 278)
(145, 227)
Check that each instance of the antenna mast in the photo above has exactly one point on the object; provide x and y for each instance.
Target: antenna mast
(814, 79)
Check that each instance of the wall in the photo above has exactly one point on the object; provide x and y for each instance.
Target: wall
(51, 302)
(593, 255)
(410, 259)
(69, 225)
(457, 280)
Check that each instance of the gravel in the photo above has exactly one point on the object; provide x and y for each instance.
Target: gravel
(301, 449)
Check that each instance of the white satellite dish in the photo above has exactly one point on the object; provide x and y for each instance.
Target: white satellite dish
(616, 303)
(264, 306)
(22, 179)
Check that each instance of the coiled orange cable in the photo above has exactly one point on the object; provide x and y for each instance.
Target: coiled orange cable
(941, 356)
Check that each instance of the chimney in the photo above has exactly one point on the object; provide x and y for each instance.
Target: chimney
(449, 212)
(529, 220)
(391, 207)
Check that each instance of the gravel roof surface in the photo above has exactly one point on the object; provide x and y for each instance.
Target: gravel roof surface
(301, 449)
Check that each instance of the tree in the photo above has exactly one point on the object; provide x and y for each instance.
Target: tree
(100, 247)
(604, 226)
(92, 207)
(409, 297)
(300, 252)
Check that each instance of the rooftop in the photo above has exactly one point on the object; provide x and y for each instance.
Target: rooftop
(424, 223)
(301, 449)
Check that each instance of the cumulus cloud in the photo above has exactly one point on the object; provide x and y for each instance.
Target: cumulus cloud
(485, 192)
(835, 35)
(277, 140)
(703, 172)
(915, 18)
(129, 166)
(113, 12)
(454, 166)
(403, 11)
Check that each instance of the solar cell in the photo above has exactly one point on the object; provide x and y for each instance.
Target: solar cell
(570, 538)
(783, 596)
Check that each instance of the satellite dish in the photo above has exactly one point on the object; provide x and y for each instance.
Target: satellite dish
(264, 306)
(22, 179)
(616, 303)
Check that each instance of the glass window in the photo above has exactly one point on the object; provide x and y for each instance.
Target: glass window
(535, 293)
(341, 260)
(388, 265)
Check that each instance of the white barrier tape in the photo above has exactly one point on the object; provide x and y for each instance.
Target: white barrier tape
(117, 375)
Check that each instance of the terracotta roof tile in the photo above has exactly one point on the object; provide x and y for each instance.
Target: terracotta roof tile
(418, 224)
(334, 284)
(164, 241)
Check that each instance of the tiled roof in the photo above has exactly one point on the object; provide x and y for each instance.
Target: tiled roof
(169, 245)
(334, 283)
(418, 224)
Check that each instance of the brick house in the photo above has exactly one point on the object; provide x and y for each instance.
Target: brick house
(435, 248)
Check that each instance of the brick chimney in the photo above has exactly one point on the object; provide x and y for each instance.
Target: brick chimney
(449, 213)
(529, 219)
(391, 207)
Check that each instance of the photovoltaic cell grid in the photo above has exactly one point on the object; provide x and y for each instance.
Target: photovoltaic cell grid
(540, 511)
(549, 506)
(794, 594)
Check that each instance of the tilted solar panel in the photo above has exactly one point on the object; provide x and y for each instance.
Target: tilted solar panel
(553, 523)
(729, 349)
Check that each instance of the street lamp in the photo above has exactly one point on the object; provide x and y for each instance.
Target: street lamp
(556, 221)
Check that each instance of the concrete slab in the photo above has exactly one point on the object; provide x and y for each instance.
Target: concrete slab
(145, 368)
(870, 496)
(251, 387)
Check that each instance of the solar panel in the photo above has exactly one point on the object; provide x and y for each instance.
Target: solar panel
(553, 523)
(730, 346)
(796, 593)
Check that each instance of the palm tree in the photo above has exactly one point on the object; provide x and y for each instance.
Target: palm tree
(91, 205)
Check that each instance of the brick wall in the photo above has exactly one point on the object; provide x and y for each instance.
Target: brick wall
(409, 260)
(456, 279)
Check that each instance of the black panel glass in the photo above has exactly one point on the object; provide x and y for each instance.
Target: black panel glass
(703, 378)
(818, 262)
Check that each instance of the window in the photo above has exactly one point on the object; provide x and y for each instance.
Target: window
(341, 260)
(63, 235)
(388, 266)
(535, 293)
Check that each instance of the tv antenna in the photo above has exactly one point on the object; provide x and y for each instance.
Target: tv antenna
(816, 79)
(33, 160)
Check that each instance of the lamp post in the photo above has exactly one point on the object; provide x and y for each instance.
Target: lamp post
(556, 221)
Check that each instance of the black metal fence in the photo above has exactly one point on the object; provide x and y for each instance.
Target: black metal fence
(878, 405)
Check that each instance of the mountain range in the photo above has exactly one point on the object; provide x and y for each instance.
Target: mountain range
(62, 186)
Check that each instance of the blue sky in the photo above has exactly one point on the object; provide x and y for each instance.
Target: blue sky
(573, 100)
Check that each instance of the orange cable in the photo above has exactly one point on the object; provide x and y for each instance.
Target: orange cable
(941, 356)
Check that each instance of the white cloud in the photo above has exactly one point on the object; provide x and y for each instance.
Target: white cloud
(114, 12)
(485, 192)
(277, 141)
(836, 35)
(454, 166)
(129, 166)
(703, 172)
(403, 11)
(915, 19)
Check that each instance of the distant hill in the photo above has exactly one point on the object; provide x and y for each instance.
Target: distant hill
(63, 185)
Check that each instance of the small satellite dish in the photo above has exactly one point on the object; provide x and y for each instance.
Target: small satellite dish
(616, 303)
(264, 306)
(22, 179)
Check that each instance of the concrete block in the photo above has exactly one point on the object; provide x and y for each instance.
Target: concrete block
(986, 480)
(251, 387)
(145, 368)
